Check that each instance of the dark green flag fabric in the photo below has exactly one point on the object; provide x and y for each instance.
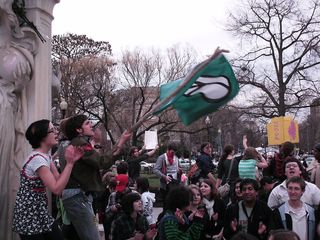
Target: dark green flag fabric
(210, 88)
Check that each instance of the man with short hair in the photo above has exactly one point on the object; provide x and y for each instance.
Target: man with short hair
(314, 166)
(294, 214)
(167, 169)
(279, 194)
(266, 185)
(249, 215)
(85, 179)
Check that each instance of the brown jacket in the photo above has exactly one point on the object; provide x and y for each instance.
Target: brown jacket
(85, 173)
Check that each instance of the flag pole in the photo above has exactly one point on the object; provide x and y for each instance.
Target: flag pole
(188, 78)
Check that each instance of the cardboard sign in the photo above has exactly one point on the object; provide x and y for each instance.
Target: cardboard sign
(150, 139)
(282, 129)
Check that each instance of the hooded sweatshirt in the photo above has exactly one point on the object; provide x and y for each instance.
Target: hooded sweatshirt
(148, 199)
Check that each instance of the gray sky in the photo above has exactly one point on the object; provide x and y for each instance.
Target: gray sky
(147, 23)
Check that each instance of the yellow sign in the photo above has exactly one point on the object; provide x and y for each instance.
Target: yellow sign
(282, 129)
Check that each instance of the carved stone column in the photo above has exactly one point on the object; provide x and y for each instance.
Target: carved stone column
(39, 90)
(34, 103)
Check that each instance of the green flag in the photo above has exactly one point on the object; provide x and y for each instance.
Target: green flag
(210, 88)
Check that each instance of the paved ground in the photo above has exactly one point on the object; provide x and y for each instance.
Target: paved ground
(156, 212)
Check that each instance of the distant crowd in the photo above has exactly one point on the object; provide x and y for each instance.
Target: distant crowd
(244, 197)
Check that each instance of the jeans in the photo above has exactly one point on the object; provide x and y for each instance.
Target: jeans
(80, 213)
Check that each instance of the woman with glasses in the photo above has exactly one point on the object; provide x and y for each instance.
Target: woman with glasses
(31, 218)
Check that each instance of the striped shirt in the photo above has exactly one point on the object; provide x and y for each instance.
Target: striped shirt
(169, 228)
(247, 168)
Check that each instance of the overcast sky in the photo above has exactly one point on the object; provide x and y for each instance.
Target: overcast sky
(147, 23)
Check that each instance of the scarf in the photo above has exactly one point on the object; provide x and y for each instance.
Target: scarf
(209, 206)
(170, 157)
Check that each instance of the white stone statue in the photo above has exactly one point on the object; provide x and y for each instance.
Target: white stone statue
(17, 49)
(56, 83)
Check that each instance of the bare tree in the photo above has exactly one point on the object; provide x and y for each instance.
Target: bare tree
(118, 93)
(73, 46)
(70, 54)
(309, 130)
(280, 68)
(97, 96)
(142, 73)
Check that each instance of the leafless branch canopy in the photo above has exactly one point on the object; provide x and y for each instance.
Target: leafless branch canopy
(117, 92)
(280, 69)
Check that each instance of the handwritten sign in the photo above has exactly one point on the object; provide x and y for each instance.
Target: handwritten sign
(282, 129)
(150, 139)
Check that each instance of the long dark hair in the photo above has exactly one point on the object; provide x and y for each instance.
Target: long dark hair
(228, 149)
(203, 145)
(128, 200)
(132, 150)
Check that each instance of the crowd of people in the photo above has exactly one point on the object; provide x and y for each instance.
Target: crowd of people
(246, 197)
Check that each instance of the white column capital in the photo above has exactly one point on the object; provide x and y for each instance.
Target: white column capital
(45, 6)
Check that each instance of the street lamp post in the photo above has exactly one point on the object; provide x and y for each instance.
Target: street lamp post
(264, 141)
(63, 107)
(308, 139)
(207, 122)
(219, 142)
